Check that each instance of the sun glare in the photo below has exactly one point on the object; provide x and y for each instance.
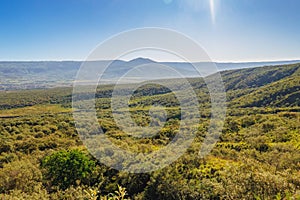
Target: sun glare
(212, 11)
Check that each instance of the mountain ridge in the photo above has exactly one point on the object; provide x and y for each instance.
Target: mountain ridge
(15, 75)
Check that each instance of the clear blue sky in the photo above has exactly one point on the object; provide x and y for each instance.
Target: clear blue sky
(229, 30)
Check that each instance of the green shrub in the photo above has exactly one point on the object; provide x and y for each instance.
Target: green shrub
(66, 168)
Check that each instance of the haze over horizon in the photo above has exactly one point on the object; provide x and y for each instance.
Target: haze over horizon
(162, 61)
(231, 31)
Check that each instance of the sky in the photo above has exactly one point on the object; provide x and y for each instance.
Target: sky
(228, 30)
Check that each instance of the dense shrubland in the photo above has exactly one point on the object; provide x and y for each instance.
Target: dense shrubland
(257, 156)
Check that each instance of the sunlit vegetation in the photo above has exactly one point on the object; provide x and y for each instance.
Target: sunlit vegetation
(257, 156)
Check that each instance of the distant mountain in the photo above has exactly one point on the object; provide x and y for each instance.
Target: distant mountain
(225, 66)
(48, 74)
(140, 61)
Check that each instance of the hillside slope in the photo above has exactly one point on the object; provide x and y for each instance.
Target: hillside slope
(277, 86)
(266, 86)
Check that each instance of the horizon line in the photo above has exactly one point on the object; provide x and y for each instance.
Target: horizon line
(146, 58)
